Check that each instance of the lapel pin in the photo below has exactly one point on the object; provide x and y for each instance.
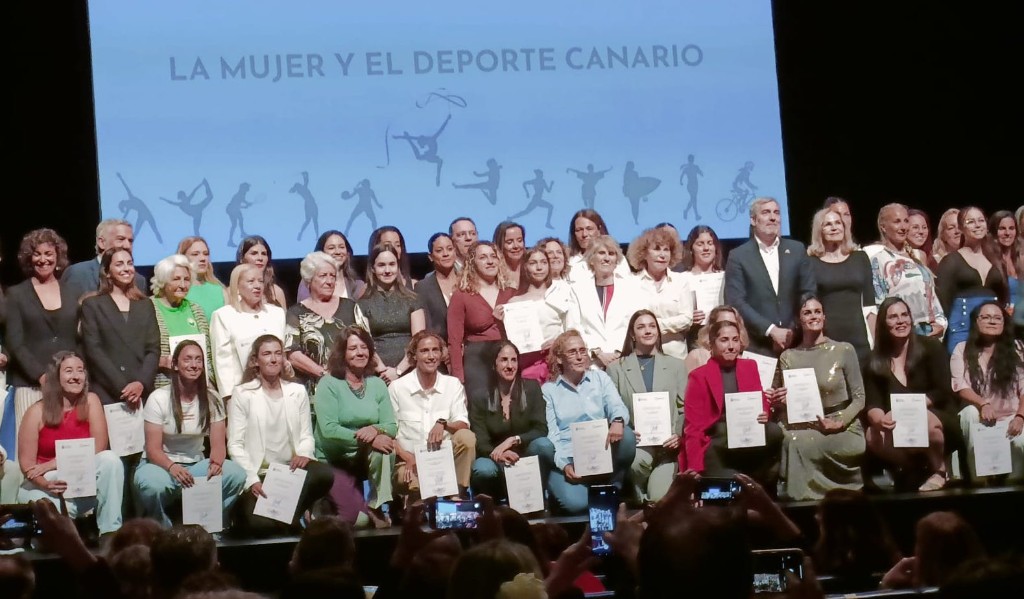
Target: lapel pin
(786, 251)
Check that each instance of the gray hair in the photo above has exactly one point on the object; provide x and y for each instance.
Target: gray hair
(164, 270)
(106, 225)
(313, 262)
(758, 202)
(602, 242)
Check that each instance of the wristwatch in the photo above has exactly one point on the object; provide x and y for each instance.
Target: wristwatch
(618, 420)
(442, 422)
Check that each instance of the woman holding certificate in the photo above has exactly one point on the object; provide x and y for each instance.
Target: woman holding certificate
(509, 423)
(667, 294)
(233, 327)
(177, 317)
(727, 428)
(821, 452)
(587, 424)
(704, 273)
(355, 428)
(652, 385)
(540, 299)
(607, 300)
(474, 328)
(988, 375)
(68, 412)
(119, 332)
(907, 378)
(701, 353)
(270, 432)
(179, 419)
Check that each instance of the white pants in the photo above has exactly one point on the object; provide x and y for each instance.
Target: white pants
(970, 416)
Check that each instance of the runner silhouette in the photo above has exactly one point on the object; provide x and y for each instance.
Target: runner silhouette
(690, 172)
(590, 177)
(365, 204)
(194, 210)
(637, 188)
(537, 201)
(309, 203)
(424, 147)
(489, 187)
(234, 210)
(135, 203)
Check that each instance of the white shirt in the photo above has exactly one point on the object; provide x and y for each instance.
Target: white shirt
(231, 335)
(672, 304)
(418, 409)
(185, 447)
(770, 257)
(279, 448)
(558, 312)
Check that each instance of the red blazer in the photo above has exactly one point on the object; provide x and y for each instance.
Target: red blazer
(704, 405)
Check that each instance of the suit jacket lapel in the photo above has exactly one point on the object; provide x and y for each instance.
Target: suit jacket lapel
(116, 321)
(661, 375)
(633, 374)
(717, 390)
(760, 267)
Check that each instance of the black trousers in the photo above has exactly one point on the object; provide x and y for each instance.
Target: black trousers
(319, 478)
(759, 463)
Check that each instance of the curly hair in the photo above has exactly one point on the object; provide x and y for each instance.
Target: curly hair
(34, 239)
(565, 256)
(636, 254)
(558, 351)
(469, 280)
(1002, 369)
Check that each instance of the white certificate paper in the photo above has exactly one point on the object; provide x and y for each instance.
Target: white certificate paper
(765, 367)
(525, 490)
(741, 412)
(910, 412)
(282, 487)
(707, 291)
(652, 417)
(803, 399)
(176, 340)
(991, 448)
(125, 428)
(590, 456)
(76, 465)
(522, 327)
(202, 504)
(436, 471)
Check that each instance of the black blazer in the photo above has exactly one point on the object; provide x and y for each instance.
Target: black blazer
(749, 289)
(119, 352)
(34, 335)
(491, 428)
(434, 305)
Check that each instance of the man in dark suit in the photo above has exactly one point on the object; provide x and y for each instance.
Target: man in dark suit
(84, 277)
(764, 279)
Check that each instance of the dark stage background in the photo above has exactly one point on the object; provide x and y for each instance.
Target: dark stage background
(881, 101)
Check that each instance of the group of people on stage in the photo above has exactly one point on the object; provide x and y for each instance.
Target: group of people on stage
(357, 376)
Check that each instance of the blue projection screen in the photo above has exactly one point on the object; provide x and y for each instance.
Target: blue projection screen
(288, 118)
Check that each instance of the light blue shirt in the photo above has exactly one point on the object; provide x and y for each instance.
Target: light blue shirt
(595, 398)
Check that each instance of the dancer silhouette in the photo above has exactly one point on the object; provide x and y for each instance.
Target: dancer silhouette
(365, 204)
(234, 210)
(590, 177)
(690, 172)
(309, 203)
(424, 147)
(135, 203)
(637, 188)
(489, 187)
(537, 201)
(194, 210)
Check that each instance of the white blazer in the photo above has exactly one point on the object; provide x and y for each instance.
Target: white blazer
(606, 333)
(231, 335)
(248, 420)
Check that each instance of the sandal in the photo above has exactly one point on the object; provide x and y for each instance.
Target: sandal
(934, 483)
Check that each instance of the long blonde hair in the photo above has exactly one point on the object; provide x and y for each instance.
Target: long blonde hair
(817, 247)
(469, 280)
(209, 276)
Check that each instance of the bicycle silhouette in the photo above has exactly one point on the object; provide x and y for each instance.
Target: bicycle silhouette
(729, 208)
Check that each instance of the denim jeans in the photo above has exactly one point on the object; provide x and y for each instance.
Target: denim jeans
(155, 489)
(109, 493)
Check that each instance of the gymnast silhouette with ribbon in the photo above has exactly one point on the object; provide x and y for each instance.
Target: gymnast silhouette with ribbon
(194, 210)
(424, 147)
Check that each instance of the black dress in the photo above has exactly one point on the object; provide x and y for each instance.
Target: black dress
(844, 289)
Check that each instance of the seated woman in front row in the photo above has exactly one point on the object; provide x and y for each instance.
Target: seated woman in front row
(644, 368)
(905, 362)
(509, 423)
(179, 418)
(68, 410)
(988, 375)
(705, 435)
(825, 454)
(269, 423)
(578, 393)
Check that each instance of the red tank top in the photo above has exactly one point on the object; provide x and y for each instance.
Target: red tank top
(69, 428)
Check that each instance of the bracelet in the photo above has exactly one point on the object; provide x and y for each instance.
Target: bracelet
(1021, 416)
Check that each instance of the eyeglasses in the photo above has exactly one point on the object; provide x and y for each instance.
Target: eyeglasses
(973, 221)
(571, 353)
(991, 317)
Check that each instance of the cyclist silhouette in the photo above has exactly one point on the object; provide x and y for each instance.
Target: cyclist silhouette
(742, 193)
(194, 210)
(309, 203)
(690, 172)
(424, 147)
(135, 203)
(365, 204)
(590, 177)
(537, 201)
(489, 187)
